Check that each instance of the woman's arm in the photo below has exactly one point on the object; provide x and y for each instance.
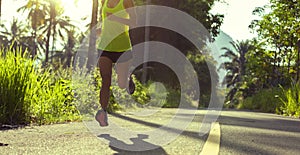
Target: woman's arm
(98, 29)
(129, 6)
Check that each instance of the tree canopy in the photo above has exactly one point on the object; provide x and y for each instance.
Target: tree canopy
(278, 32)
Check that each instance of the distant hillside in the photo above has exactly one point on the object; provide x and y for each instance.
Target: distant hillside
(223, 40)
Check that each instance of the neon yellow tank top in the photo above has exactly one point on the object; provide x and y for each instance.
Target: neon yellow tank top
(109, 38)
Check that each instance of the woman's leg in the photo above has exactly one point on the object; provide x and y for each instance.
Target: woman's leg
(124, 79)
(105, 65)
(122, 70)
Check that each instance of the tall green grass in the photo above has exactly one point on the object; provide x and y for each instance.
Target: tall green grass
(15, 72)
(33, 94)
(50, 97)
(291, 100)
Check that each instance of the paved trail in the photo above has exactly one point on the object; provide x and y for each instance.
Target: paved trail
(235, 132)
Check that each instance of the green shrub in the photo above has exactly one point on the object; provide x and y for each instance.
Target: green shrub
(173, 99)
(246, 104)
(87, 86)
(291, 100)
(141, 93)
(266, 100)
(151, 94)
(50, 98)
(86, 89)
(121, 100)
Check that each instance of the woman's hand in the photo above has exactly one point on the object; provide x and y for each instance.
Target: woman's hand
(108, 14)
(98, 32)
(113, 17)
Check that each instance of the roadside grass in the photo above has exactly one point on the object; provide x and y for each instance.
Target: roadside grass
(291, 100)
(31, 93)
(280, 100)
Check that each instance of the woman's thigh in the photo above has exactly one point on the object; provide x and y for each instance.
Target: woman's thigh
(105, 65)
(122, 70)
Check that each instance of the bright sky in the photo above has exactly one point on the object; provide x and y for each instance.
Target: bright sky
(238, 16)
(76, 12)
(238, 13)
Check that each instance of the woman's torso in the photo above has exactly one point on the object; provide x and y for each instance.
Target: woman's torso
(114, 35)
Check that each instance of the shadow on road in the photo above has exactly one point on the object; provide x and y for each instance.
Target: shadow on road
(269, 123)
(2, 144)
(138, 146)
(191, 134)
(4, 127)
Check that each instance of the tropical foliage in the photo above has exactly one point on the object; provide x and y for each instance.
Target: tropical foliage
(37, 56)
(272, 61)
(44, 46)
(236, 67)
(48, 27)
(278, 33)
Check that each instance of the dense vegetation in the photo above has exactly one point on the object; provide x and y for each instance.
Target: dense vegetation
(263, 73)
(31, 93)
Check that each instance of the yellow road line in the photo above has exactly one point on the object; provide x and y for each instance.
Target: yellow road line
(212, 144)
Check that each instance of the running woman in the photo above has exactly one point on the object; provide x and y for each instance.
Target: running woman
(112, 46)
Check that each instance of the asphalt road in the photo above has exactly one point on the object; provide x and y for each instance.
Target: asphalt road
(236, 132)
(258, 133)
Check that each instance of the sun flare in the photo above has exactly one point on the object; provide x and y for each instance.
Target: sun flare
(77, 10)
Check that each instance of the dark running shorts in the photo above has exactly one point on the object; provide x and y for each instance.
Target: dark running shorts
(116, 56)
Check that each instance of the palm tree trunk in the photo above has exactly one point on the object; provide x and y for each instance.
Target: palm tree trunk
(52, 14)
(274, 78)
(53, 42)
(70, 46)
(0, 9)
(92, 42)
(34, 25)
(290, 55)
(48, 42)
(298, 60)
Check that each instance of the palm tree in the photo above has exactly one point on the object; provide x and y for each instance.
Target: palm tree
(298, 58)
(0, 9)
(36, 15)
(92, 42)
(236, 67)
(52, 13)
(17, 36)
(66, 54)
(70, 46)
(57, 25)
(14, 36)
